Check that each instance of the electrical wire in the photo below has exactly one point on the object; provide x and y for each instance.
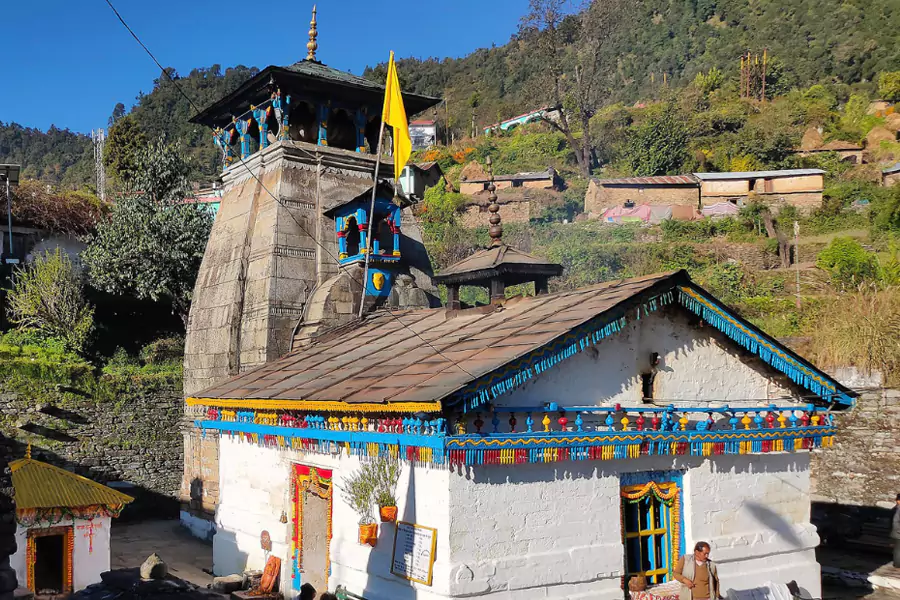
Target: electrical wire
(276, 199)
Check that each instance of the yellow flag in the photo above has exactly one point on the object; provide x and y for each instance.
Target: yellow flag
(395, 115)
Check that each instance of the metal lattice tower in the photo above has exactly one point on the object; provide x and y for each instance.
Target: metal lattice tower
(98, 138)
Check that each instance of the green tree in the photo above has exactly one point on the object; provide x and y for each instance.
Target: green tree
(847, 262)
(124, 144)
(889, 86)
(152, 244)
(48, 299)
(657, 145)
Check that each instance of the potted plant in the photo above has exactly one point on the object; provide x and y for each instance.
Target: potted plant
(386, 474)
(359, 492)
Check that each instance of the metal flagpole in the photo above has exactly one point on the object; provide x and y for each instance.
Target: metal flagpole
(9, 216)
(362, 301)
(797, 258)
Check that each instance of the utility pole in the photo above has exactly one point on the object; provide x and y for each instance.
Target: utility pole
(797, 259)
(98, 138)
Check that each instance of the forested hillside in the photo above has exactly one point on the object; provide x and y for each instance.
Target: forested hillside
(646, 47)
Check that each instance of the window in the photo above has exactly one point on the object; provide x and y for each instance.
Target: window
(650, 515)
(647, 386)
(517, 183)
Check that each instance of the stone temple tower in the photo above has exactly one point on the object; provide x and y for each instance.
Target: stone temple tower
(284, 259)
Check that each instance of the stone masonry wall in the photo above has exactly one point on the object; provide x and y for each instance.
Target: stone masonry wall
(863, 467)
(134, 438)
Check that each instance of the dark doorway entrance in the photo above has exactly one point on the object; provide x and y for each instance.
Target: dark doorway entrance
(49, 564)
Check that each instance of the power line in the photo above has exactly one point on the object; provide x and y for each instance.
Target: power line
(276, 199)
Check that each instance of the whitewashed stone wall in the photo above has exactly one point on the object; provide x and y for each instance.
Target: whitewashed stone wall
(255, 488)
(695, 365)
(86, 564)
(553, 530)
(547, 531)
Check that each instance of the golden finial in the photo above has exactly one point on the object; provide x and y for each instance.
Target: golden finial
(312, 46)
(28, 451)
(496, 230)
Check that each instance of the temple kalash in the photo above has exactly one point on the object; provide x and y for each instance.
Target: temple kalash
(552, 446)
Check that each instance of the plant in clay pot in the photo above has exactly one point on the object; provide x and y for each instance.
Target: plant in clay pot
(359, 492)
(387, 473)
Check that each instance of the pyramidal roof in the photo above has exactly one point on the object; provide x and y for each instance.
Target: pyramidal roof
(39, 485)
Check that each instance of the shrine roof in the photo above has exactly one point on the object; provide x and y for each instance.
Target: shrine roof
(414, 357)
(40, 485)
(496, 261)
(306, 77)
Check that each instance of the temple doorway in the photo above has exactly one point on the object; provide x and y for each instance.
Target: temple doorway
(50, 570)
(312, 526)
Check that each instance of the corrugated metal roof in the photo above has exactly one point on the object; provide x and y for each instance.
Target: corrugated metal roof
(655, 180)
(406, 356)
(891, 170)
(39, 485)
(532, 176)
(757, 174)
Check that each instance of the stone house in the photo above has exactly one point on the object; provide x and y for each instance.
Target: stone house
(540, 180)
(663, 190)
(848, 151)
(890, 176)
(63, 529)
(798, 187)
(423, 133)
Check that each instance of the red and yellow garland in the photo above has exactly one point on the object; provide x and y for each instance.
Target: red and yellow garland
(670, 496)
(319, 482)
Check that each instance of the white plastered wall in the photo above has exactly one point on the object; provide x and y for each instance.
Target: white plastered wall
(255, 488)
(553, 530)
(87, 564)
(696, 365)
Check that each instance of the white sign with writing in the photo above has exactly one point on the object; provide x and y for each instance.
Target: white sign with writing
(413, 556)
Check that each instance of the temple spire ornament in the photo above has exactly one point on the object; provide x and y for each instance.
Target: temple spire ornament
(312, 46)
(496, 230)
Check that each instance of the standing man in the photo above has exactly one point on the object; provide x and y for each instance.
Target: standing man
(698, 575)
(895, 532)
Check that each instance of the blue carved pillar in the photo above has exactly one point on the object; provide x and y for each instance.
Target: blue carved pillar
(361, 130)
(395, 229)
(223, 138)
(341, 228)
(262, 118)
(243, 128)
(282, 109)
(324, 111)
(362, 223)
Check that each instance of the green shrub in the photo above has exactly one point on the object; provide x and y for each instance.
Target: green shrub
(162, 351)
(847, 262)
(48, 299)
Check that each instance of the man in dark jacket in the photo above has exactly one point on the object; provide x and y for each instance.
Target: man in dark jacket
(895, 533)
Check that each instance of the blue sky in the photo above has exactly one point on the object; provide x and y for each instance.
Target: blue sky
(68, 62)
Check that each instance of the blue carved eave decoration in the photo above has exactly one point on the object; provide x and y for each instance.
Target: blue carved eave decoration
(677, 289)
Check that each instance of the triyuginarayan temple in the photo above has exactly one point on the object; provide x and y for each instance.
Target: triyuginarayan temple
(551, 445)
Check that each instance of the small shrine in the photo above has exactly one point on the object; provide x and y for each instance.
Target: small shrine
(63, 527)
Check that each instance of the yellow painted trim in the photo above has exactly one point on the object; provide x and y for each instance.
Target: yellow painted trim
(331, 406)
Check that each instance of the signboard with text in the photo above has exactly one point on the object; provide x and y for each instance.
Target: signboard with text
(414, 547)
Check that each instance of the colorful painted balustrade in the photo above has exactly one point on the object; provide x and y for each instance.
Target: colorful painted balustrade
(572, 433)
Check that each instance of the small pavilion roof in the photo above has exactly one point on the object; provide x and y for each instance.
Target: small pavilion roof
(40, 485)
(507, 262)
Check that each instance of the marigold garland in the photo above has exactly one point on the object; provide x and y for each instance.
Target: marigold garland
(315, 481)
(671, 499)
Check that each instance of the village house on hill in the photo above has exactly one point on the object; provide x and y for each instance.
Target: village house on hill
(796, 187)
(548, 446)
